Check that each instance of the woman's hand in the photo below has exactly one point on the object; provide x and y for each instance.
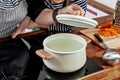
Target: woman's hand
(26, 23)
(21, 28)
(46, 18)
(72, 9)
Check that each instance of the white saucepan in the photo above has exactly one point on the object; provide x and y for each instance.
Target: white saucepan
(63, 52)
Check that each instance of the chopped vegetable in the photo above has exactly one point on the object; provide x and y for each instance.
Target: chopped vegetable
(106, 25)
(107, 30)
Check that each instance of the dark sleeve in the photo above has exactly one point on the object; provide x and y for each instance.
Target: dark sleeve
(35, 7)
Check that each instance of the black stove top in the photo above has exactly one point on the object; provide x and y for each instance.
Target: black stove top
(88, 68)
(38, 69)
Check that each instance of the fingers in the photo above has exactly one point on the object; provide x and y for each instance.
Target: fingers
(14, 34)
(73, 9)
(77, 10)
(17, 31)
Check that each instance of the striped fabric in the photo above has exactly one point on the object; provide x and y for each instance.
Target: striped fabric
(11, 15)
(6, 4)
(61, 27)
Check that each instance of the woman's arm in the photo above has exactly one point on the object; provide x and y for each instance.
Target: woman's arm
(46, 16)
(39, 12)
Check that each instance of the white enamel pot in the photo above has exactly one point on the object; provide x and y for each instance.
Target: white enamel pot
(64, 61)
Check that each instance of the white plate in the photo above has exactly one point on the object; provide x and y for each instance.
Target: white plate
(77, 21)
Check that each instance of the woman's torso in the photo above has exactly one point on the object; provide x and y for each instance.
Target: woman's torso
(12, 12)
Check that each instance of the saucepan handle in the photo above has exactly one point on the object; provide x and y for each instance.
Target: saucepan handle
(43, 54)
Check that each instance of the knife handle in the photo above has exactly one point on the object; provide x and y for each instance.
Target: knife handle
(98, 37)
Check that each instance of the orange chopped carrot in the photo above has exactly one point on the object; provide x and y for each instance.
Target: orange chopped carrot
(106, 25)
(111, 31)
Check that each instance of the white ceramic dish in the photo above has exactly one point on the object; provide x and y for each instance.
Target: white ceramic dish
(77, 21)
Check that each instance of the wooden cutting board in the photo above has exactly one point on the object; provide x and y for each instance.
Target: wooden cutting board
(106, 74)
(112, 41)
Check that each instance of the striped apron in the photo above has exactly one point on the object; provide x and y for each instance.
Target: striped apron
(11, 16)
